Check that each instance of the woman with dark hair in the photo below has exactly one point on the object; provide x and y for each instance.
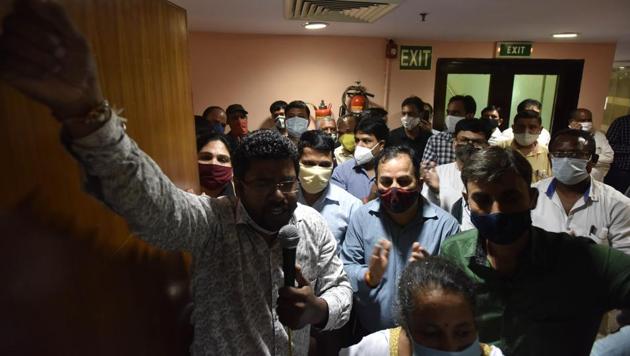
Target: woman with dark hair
(215, 165)
(436, 303)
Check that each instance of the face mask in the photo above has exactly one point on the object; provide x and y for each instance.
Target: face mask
(333, 136)
(218, 128)
(502, 228)
(586, 126)
(409, 122)
(525, 139)
(397, 200)
(314, 179)
(214, 176)
(348, 142)
(238, 127)
(280, 122)
(363, 155)
(569, 170)
(451, 121)
(296, 126)
(473, 350)
(463, 152)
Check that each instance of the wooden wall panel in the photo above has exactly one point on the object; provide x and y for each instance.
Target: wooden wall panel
(75, 282)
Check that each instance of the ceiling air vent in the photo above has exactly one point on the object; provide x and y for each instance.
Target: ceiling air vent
(338, 10)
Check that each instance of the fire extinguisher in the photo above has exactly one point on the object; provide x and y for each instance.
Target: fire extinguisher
(354, 99)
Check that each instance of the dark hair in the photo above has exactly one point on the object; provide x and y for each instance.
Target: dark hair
(575, 113)
(317, 140)
(490, 164)
(380, 112)
(491, 108)
(527, 103)
(277, 105)
(209, 136)
(390, 152)
(415, 102)
(577, 135)
(263, 145)
(298, 104)
(470, 106)
(208, 110)
(372, 125)
(431, 273)
(528, 114)
(474, 125)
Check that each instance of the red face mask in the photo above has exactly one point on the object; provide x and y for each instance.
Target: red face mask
(397, 200)
(238, 127)
(213, 176)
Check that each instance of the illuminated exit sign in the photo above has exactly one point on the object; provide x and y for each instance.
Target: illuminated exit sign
(415, 57)
(514, 49)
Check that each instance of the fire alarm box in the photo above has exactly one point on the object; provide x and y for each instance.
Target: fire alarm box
(391, 51)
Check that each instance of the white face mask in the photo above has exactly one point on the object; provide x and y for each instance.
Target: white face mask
(473, 350)
(410, 122)
(586, 126)
(451, 121)
(569, 170)
(314, 179)
(363, 155)
(526, 139)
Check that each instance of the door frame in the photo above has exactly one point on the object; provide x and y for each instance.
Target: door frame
(502, 71)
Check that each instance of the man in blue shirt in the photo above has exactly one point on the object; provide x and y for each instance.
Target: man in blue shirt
(356, 176)
(316, 165)
(387, 232)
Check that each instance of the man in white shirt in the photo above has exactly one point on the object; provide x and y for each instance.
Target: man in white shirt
(582, 119)
(573, 202)
(444, 184)
(534, 105)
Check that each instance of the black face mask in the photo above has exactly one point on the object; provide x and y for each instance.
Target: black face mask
(463, 152)
(502, 228)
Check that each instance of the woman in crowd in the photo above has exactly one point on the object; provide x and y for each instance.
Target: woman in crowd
(215, 165)
(436, 302)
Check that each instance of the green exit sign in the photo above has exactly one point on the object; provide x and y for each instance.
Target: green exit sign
(514, 49)
(415, 57)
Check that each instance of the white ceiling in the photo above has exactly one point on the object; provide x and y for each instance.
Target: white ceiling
(455, 20)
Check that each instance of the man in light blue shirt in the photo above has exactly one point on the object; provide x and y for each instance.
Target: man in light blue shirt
(386, 233)
(315, 149)
(356, 176)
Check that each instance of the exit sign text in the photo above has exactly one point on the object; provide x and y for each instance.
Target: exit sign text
(415, 57)
(514, 49)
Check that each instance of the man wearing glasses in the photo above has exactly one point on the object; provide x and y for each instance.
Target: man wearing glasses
(240, 307)
(572, 202)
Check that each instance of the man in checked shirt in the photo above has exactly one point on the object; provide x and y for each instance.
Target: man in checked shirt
(240, 306)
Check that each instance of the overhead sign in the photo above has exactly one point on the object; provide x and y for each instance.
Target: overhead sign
(514, 49)
(415, 57)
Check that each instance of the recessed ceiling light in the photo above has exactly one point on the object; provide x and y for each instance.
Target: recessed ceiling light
(565, 35)
(315, 25)
(622, 67)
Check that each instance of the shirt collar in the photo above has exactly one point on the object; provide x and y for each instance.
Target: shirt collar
(588, 194)
(327, 196)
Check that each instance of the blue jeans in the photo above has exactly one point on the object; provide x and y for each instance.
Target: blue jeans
(617, 344)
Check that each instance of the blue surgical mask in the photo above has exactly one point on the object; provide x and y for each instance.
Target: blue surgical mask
(218, 128)
(502, 228)
(296, 126)
(569, 171)
(473, 350)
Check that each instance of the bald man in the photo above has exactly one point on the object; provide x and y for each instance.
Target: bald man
(582, 119)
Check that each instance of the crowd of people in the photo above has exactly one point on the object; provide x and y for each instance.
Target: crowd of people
(414, 241)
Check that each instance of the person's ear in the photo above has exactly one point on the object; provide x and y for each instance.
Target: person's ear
(533, 196)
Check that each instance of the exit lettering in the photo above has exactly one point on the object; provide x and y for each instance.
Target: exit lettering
(414, 57)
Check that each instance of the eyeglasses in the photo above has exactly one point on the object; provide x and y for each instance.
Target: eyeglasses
(469, 141)
(266, 187)
(570, 154)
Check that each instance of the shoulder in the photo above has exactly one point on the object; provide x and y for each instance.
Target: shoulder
(460, 243)
(543, 184)
(442, 216)
(398, 132)
(375, 344)
(610, 193)
(307, 216)
(343, 196)
(362, 213)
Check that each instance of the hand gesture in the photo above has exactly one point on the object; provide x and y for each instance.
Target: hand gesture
(425, 125)
(575, 125)
(44, 56)
(298, 307)
(378, 262)
(418, 252)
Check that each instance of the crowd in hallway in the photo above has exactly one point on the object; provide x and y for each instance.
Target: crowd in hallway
(491, 235)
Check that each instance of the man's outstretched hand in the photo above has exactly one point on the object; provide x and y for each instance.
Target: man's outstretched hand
(43, 55)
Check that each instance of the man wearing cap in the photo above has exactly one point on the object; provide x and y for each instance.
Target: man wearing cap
(237, 120)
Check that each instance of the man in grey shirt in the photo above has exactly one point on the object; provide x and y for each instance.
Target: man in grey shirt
(240, 306)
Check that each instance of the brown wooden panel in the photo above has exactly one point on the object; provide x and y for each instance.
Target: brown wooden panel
(74, 280)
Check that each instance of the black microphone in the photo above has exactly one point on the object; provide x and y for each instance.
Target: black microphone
(289, 238)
